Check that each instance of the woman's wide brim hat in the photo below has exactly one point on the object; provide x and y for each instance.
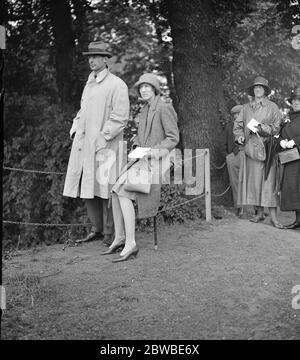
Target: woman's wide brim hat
(259, 81)
(295, 95)
(98, 48)
(148, 78)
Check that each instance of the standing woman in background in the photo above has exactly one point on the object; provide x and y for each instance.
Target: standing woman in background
(255, 186)
(290, 138)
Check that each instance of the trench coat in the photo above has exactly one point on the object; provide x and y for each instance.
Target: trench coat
(290, 185)
(253, 188)
(93, 167)
(160, 131)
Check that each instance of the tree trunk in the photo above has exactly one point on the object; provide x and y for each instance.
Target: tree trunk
(198, 78)
(80, 8)
(60, 14)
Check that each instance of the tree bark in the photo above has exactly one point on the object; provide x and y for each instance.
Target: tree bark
(60, 15)
(80, 8)
(198, 77)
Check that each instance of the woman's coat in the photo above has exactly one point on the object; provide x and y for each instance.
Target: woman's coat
(290, 186)
(160, 131)
(102, 117)
(253, 188)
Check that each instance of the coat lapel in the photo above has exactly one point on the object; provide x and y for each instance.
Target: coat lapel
(292, 129)
(289, 131)
(142, 123)
(150, 118)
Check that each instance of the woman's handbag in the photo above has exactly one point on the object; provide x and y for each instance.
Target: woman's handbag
(290, 155)
(255, 148)
(138, 177)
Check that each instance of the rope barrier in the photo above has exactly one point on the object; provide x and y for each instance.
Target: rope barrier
(33, 171)
(42, 224)
(177, 205)
(63, 173)
(195, 198)
(223, 193)
(87, 224)
(219, 167)
(188, 159)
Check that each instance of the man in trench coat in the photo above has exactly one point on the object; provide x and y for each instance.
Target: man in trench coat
(97, 152)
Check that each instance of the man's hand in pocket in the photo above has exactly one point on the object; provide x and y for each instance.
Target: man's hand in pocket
(100, 142)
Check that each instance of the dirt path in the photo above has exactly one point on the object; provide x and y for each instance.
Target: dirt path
(230, 279)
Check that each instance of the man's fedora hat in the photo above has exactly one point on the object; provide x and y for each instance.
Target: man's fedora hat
(149, 79)
(295, 95)
(259, 81)
(98, 48)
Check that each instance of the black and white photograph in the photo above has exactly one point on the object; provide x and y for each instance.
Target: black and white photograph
(150, 173)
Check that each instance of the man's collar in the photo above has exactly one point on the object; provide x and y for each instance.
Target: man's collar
(101, 75)
(98, 77)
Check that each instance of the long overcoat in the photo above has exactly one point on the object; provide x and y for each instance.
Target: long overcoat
(290, 186)
(158, 130)
(254, 189)
(104, 112)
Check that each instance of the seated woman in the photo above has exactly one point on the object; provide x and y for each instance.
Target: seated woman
(290, 185)
(158, 130)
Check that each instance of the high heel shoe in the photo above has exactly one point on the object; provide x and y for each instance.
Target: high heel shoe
(131, 253)
(277, 225)
(113, 249)
(294, 225)
(257, 218)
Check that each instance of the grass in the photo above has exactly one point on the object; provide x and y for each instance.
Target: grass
(22, 293)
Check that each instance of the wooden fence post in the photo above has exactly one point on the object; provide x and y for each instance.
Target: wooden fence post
(155, 232)
(207, 185)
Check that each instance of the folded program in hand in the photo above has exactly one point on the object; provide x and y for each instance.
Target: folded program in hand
(252, 124)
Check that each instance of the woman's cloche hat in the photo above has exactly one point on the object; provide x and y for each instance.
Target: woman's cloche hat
(295, 95)
(259, 80)
(149, 78)
(98, 48)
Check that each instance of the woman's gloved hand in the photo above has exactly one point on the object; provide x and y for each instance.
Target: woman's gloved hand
(290, 144)
(283, 143)
(241, 140)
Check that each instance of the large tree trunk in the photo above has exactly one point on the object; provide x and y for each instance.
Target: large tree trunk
(198, 78)
(80, 25)
(60, 14)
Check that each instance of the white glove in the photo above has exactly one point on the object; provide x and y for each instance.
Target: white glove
(290, 144)
(241, 140)
(283, 144)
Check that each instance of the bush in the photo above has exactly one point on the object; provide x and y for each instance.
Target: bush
(40, 143)
(170, 211)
